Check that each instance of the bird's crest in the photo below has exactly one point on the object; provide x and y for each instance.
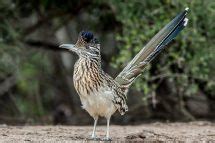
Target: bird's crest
(84, 38)
(87, 36)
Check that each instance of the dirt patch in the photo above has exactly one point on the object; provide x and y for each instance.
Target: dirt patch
(159, 132)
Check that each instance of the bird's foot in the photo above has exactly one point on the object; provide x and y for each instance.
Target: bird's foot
(107, 139)
(94, 138)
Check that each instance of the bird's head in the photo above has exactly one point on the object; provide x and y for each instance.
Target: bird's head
(85, 46)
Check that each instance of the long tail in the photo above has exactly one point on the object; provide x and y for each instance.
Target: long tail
(152, 48)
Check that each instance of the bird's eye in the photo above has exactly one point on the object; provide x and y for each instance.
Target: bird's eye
(95, 41)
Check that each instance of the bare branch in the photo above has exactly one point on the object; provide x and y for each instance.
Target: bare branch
(44, 45)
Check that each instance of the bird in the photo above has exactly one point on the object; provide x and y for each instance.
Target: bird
(100, 94)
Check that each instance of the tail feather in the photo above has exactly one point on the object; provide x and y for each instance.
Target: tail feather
(152, 48)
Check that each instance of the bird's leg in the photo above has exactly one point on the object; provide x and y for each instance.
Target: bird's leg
(107, 138)
(94, 128)
(107, 132)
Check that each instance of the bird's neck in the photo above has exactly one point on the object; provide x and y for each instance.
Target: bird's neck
(87, 74)
(87, 64)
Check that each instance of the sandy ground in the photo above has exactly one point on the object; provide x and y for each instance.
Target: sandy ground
(157, 132)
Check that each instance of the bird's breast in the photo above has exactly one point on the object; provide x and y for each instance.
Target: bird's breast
(86, 77)
(99, 103)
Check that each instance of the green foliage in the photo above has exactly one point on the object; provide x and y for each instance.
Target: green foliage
(189, 61)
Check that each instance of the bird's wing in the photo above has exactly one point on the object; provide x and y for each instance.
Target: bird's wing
(152, 48)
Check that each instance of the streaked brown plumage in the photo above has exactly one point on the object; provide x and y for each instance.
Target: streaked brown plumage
(100, 94)
(89, 77)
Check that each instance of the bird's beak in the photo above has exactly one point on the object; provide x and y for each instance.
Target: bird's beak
(70, 47)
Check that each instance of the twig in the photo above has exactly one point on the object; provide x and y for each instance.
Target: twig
(175, 75)
(44, 45)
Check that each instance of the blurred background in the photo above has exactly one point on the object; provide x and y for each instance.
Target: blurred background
(36, 84)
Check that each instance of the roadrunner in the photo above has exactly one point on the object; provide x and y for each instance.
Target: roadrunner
(100, 94)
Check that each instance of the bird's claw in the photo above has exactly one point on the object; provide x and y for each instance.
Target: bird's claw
(107, 139)
(94, 138)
